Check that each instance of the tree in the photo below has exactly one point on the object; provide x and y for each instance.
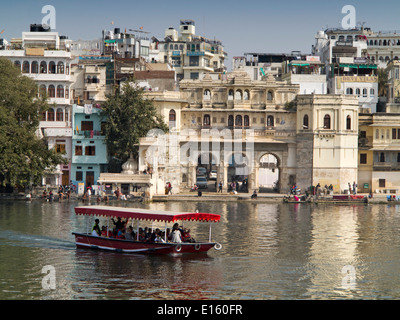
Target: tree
(129, 117)
(23, 155)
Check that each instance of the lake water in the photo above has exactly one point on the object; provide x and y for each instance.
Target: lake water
(269, 251)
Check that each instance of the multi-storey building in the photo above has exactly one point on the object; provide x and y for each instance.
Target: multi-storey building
(89, 151)
(44, 57)
(191, 56)
(259, 132)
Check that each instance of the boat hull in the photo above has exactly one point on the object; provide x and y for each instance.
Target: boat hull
(87, 241)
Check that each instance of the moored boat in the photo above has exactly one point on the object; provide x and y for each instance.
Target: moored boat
(87, 240)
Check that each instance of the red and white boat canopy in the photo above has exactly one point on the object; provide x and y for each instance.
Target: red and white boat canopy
(144, 214)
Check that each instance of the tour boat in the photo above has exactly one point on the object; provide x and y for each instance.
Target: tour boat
(87, 240)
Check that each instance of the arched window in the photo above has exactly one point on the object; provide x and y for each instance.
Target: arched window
(50, 115)
(270, 96)
(327, 121)
(358, 92)
(60, 91)
(372, 93)
(43, 117)
(25, 67)
(270, 121)
(377, 134)
(230, 121)
(52, 67)
(348, 123)
(206, 120)
(365, 93)
(305, 121)
(43, 67)
(230, 94)
(246, 121)
(51, 91)
(382, 157)
(59, 115)
(60, 67)
(238, 95)
(246, 95)
(238, 121)
(42, 90)
(67, 93)
(207, 94)
(172, 118)
(349, 91)
(17, 64)
(34, 67)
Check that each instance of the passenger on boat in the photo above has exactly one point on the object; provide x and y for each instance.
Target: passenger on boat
(103, 231)
(142, 236)
(121, 233)
(176, 234)
(129, 234)
(158, 236)
(119, 224)
(96, 228)
(187, 237)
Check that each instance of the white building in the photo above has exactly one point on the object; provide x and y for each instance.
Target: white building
(44, 59)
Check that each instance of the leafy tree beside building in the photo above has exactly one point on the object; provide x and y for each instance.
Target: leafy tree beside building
(24, 156)
(129, 117)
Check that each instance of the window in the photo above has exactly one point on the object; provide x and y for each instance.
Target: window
(50, 115)
(365, 93)
(230, 121)
(60, 67)
(172, 115)
(86, 125)
(382, 157)
(194, 61)
(90, 151)
(194, 75)
(238, 121)
(17, 64)
(59, 115)
(270, 96)
(398, 157)
(52, 67)
(51, 91)
(25, 67)
(349, 91)
(394, 134)
(358, 92)
(305, 121)
(206, 120)
(79, 176)
(348, 123)
(382, 183)
(60, 148)
(363, 158)
(270, 121)
(327, 121)
(34, 67)
(42, 90)
(60, 91)
(372, 93)
(246, 121)
(78, 151)
(67, 93)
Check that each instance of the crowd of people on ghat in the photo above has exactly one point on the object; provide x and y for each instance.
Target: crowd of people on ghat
(120, 230)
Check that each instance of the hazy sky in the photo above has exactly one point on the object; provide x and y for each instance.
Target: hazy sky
(279, 26)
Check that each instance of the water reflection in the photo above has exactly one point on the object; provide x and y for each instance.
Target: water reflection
(270, 251)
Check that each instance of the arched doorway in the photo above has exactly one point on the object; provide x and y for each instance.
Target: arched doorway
(268, 173)
(238, 172)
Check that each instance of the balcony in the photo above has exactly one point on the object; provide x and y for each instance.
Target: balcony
(90, 134)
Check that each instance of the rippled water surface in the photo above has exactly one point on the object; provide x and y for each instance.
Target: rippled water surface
(270, 251)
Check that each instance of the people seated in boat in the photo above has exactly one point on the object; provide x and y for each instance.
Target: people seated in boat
(129, 234)
(96, 228)
(158, 236)
(103, 231)
(176, 234)
(119, 224)
(121, 233)
(142, 236)
(187, 237)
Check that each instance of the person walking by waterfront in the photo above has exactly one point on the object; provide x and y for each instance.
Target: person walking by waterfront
(354, 188)
(220, 186)
(169, 188)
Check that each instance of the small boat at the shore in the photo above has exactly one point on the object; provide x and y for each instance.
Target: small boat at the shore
(87, 240)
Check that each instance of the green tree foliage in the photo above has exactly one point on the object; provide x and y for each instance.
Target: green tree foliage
(23, 155)
(129, 117)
